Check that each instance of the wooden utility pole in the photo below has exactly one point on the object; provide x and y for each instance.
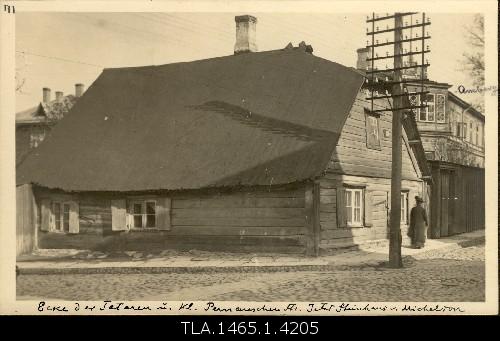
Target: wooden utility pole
(395, 260)
(395, 84)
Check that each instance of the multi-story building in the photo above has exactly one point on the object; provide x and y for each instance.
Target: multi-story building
(34, 124)
(452, 134)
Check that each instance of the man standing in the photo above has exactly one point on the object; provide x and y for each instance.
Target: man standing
(418, 224)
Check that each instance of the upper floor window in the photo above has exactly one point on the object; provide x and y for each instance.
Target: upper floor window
(459, 131)
(471, 132)
(477, 135)
(372, 131)
(36, 138)
(440, 108)
(428, 114)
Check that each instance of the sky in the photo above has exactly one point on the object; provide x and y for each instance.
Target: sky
(57, 50)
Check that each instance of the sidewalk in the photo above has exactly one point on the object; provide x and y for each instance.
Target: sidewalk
(87, 262)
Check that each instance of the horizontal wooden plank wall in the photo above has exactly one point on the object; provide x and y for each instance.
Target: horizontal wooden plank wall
(254, 220)
(352, 156)
(332, 235)
(262, 217)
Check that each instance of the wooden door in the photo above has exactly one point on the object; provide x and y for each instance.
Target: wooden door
(445, 195)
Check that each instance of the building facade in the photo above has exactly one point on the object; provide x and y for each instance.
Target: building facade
(257, 151)
(34, 124)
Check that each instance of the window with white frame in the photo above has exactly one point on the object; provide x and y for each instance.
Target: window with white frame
(404, 208)
(354, 206)
(142, 214)
(372, 132)
(61, 211)
(440, 108)
(427, 114)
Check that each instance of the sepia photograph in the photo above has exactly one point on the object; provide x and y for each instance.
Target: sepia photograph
(324, 158)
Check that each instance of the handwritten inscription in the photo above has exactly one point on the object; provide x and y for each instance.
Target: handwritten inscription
(222, 308)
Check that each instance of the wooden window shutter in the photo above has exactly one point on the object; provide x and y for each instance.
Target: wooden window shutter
(368, 209)
(341, 218)
(46, 215)
(74, 217)
(119, 215)
(163, 213)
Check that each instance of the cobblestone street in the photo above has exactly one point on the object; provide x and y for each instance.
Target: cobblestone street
(440, 275)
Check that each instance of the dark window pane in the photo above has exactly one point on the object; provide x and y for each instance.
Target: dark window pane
(150, 208)
(150, 220)
(137, 220)
(137, 208)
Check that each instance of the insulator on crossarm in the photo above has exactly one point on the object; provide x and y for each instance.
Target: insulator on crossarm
(376, 79)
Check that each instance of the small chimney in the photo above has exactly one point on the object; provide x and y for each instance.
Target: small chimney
(245, 34)
(363, 54)
(79, 89)
(46, 95)
(59, 96)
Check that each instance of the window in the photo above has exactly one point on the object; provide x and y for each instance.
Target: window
(372, 132)
(477, 135)
(143, 213)
(465, 131)
(459, 124)
(354, 206)
(415, 101)
(404, 208)
(427, 114)
(471, 132)
(440, 108)
(36, 138)
(60, 211)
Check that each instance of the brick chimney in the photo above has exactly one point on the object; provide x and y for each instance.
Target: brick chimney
(245, 34)
(363, 54)
(79, 89)
(46, 95)
(59, 96)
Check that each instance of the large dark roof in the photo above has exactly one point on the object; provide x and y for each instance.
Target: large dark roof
(251, 119)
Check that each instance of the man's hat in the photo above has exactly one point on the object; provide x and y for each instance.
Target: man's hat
(419, 199)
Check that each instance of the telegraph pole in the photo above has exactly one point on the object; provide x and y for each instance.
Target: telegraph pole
(401, 105)
(395, 260)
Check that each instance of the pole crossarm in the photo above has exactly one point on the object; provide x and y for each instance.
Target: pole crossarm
(399, 41)
(400, 55)
(400, 95)
(391, 16)
(402, 28)
(403, 108)
(398, 68)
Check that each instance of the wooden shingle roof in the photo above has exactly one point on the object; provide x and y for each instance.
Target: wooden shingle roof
(250, 119)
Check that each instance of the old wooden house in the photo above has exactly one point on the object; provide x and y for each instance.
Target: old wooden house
(256, 151)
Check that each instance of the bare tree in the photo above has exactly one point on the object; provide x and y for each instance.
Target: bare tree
(474, 59)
